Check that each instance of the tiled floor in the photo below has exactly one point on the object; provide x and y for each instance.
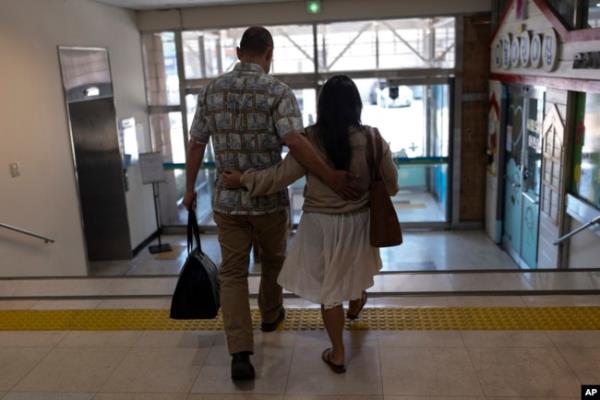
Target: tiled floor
(413, 206)
(382, 365)
(410, 205)
(416, 365)
(421, 251)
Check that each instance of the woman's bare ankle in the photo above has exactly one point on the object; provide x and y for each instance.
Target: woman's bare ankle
(337, 356)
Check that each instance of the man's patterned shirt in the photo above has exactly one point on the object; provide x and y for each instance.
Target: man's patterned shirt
(247, 113)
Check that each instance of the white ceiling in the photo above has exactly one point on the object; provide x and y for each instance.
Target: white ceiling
(162, 4)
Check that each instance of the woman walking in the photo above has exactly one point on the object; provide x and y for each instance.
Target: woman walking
(330, 259)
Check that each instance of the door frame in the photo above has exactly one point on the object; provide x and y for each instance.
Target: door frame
(526, 92)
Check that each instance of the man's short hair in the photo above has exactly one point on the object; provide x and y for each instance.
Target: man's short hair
(256, 40)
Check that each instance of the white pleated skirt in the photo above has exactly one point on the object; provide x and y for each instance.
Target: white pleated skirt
(330, 259)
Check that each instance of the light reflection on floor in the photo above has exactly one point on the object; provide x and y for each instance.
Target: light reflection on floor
(421, 251)
(411, 206)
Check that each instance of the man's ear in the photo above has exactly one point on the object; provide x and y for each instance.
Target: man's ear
(269, 55)
(239, 53)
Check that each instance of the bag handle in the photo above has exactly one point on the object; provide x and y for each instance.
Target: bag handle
(193, 232)
(374, 152)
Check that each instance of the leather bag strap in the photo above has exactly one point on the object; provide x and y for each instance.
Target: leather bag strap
(374, 152)
(193, 232)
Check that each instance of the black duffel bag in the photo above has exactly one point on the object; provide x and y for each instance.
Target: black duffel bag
(197, 292)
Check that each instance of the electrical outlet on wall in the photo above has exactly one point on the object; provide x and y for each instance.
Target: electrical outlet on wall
(14, 170)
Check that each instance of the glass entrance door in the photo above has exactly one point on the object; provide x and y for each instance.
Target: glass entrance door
(307, 100)
(523, 174)
(415, 120)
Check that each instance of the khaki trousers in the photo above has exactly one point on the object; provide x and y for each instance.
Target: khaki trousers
(235, 237)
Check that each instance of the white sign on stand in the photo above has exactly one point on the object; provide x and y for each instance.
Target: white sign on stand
(151, 165)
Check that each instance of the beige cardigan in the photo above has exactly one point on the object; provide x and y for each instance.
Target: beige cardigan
(318, 197)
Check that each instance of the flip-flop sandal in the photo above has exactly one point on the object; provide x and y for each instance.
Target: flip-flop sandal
(338, 369)
(362, 305)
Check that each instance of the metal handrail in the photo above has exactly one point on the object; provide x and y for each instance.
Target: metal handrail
(24, 232)
(576, 231)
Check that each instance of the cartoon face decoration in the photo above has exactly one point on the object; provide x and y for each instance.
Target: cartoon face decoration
(506, 47)
(550, 51)
(535, 52)
(498, 55)
(548, 40)
(525, 47)
(515, 53)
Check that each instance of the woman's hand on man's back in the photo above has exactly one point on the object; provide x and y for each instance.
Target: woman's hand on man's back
(344, 184)
(232, 179)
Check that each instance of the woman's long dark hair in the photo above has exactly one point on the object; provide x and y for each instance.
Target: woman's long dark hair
(339, 108)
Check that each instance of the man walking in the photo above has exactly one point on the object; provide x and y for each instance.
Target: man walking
(249, 116)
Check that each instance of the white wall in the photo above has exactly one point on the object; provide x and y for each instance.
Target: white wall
(34, 129)
(292, 12)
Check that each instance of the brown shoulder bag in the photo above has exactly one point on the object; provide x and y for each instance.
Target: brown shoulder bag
(385, 228)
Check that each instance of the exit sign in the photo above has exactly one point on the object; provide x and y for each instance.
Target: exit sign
(313, 6)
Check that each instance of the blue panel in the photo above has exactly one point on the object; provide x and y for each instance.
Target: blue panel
(513, 206)
(440, 174)
(412, 176)
(498, 238)
(531, 211)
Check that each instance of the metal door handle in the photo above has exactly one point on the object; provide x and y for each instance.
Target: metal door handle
(576, 231)
(531, 199)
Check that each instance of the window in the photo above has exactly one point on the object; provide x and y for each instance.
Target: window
(591, 14)
(209, 53)
(386, 44)
(585, 12)
(498, 7)
(191, 103)
(294, 49)
(167, 136)
(587, 149)
(307, 101)
(162, 78)
(565, 9)
(421, 149)
(415, 121)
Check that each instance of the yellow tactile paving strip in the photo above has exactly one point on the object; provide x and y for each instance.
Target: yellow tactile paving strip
(488, 318)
